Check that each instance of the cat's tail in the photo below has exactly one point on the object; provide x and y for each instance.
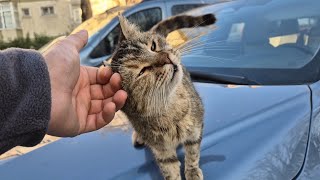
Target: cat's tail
(182, 21)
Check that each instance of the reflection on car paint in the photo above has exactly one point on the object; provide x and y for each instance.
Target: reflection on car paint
(311, 169)
(279, 130)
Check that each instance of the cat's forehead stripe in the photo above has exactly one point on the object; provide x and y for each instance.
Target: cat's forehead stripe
(129, 44)
(136, 63)
(132, 66)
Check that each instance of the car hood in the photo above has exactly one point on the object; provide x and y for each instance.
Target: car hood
(250, 132)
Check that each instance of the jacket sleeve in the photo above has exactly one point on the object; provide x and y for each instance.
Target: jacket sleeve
(25, 98)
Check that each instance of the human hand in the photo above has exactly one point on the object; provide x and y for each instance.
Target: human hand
(84, 99)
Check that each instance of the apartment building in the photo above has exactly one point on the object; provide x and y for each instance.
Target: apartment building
(19, 18)
(22, 18)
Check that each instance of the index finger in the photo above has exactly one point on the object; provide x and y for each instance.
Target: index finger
(79, 39)
(100, 75)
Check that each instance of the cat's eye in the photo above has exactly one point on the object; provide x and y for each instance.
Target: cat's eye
(143, 70)
(153, 46)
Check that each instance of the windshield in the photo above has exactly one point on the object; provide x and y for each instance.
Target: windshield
(270, 41)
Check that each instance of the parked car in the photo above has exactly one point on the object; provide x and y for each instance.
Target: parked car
(104, 28)
(258, 75)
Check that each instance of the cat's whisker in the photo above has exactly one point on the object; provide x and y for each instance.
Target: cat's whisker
(201, 33)
(191, 39)
(190, 46)
(218, 58)
(197, 45)
(212, 49)
(221, 58)
(189, 42)
(194, 28)
(205, 42)
(192, 43)
(192, 53)
(114, 64)
(215, 48)
(210, 39)
(198, 55)
(196, 35)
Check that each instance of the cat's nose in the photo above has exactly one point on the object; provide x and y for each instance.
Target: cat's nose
(165, 58)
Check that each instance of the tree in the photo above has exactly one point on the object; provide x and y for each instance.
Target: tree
(86, 10)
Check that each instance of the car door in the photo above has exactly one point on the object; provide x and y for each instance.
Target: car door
(144, 18)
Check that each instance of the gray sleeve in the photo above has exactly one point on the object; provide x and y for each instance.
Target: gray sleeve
(25, 98)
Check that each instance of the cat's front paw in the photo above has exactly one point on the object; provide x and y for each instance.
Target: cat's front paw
(194, 174)
(137, 142)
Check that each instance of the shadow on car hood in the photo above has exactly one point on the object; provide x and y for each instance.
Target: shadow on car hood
(250, 132)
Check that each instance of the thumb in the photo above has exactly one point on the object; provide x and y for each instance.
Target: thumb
(79, 39)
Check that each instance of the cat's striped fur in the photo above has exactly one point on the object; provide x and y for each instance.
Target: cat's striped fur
(163, 105)
(179, 22)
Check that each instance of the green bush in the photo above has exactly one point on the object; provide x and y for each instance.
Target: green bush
(40, 41)
(27, 42)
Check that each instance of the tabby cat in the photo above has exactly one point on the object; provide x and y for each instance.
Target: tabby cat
(163, 106)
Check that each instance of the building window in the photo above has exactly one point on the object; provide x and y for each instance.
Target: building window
(6, 16)
(77, 15)
(49, 10)
(25, 12)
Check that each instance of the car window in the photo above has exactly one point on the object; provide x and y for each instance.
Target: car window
(263, 40)
(178, 9)
(145, 19)
(257, 43)
(106, 45)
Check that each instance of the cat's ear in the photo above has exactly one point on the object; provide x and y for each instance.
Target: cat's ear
(123, 24)
(127, 29)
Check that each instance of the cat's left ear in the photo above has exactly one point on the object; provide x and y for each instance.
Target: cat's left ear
(123, 24)
(127, 29)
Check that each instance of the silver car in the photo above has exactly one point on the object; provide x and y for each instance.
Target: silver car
(258, 74)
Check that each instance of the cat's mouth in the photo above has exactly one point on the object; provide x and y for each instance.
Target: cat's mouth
(175, 70)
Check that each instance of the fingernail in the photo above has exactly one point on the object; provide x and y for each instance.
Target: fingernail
(104, 69)
(83, 33)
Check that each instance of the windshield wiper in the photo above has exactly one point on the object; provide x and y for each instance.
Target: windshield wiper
(203, 76)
